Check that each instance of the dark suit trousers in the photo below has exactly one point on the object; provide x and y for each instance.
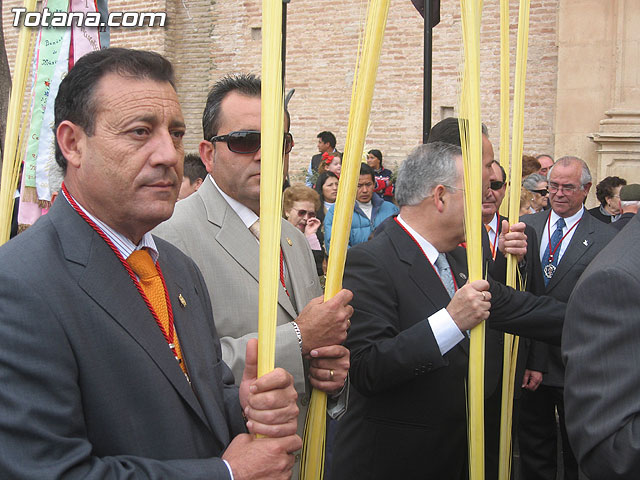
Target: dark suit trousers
(537, 435)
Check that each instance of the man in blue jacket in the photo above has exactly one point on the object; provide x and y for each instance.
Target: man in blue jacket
(369, 210)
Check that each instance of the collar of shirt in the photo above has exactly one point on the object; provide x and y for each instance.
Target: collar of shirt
(125, 246)
(428, 249)
(247, 215)
(493, 224)
(493, 230)
(569, 221)
(367, 208)
(551, 223)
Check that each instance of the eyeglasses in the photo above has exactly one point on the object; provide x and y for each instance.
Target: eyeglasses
(496, 185)
(248, 141)
(304, 213)
(568, 189)
(543, 191)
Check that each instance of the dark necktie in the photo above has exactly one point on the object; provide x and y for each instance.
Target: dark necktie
(552, 252)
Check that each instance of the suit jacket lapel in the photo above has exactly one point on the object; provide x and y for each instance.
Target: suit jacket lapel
(581, 241)
(283, 299)
(197, 359)
(119, 298)
(423, 274)
(236, 239)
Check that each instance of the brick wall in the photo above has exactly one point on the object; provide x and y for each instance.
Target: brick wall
(206, 39)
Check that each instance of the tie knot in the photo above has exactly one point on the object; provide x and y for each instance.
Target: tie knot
(487, 227)
(561, 223)
(142, 264)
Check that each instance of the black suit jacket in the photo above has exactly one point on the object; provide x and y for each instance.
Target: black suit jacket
(530, 273)
(90, 388)
(407, 409)
(590, 236)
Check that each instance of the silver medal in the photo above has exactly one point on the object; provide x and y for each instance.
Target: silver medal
(549, 270)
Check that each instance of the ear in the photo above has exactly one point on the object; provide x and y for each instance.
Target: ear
(206, 150)
(71, 140)
(197, 184)
(438, 197)
(587, 187)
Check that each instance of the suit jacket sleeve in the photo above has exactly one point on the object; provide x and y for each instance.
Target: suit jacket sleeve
(43, 432)
(383, 353)
(602, 384)
(525, 314)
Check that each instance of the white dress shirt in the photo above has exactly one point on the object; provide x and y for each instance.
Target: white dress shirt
(569, 223)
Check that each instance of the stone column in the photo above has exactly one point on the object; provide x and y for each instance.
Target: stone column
(598, 87)
(618, 139)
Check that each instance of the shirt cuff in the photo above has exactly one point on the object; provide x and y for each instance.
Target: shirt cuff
(229, 467)
(445, 330)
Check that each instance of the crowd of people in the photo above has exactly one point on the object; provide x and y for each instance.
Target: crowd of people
(135, 355)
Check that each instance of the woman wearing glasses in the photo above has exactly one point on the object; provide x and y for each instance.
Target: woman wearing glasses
(299, 206)
(608, 194)
(538, 195)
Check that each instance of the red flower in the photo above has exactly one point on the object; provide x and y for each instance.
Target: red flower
(327, 158)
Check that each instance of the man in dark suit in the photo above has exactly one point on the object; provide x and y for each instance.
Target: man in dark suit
(407, 408)
(569, 239)
(531, 362)
(600, 347)
(111, 366)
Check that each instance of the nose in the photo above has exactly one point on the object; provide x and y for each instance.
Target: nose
(167, 149)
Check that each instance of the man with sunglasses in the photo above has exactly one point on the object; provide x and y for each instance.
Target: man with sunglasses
(569, 239)
(218, 227)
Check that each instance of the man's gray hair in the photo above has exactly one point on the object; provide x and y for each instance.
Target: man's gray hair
(426, 167)
(629, 203)
(585, 176)
(531, 182)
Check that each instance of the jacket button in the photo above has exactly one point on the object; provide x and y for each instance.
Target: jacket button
(304, 401)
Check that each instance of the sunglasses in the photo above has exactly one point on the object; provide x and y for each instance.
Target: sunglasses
(544, 192)
(497, 185)
(304, 213)
(248, 141)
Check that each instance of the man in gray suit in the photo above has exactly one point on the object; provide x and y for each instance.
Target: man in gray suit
(600, 348)
(569, 239)
(216, 227)
(90, 383)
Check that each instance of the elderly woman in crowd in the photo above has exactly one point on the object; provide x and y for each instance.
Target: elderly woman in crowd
(383, 187)
(608, 194)
(535, 192)
(299, 205)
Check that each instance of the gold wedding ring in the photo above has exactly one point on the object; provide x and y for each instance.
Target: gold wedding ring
(484, 297)
(331, 375)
